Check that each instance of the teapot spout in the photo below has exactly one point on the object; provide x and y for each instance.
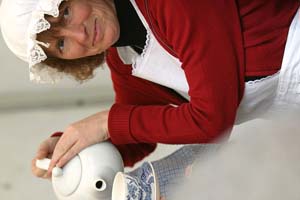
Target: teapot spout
(100, 185)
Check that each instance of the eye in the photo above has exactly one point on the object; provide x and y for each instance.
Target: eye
(66, 13)
(61, 44)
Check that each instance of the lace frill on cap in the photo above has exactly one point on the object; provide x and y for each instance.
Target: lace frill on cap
(40, 72)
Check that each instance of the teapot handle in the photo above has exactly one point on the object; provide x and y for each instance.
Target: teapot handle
(45, 163)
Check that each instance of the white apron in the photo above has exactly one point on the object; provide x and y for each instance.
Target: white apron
(279, 91)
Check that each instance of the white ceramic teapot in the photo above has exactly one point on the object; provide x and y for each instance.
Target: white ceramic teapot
(89, 175)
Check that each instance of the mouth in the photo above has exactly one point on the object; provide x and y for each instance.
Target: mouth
(96, 32)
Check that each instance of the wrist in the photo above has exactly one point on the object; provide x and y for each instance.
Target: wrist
(102, 128)
(105, 124)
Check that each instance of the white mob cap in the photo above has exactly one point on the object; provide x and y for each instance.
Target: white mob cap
(21, 21)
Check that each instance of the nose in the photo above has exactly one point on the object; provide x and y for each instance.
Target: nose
(76, 32)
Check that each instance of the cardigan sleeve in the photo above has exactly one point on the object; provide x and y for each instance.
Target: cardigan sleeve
(131, 153)
(130, 91)
(207, 39)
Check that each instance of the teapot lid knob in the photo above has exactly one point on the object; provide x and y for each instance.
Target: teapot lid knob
(65, 181)
(56, 172)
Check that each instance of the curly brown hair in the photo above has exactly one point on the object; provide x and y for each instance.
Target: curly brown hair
(80, 69)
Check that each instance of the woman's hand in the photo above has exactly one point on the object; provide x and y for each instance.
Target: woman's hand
(79, 135)
(44, 151)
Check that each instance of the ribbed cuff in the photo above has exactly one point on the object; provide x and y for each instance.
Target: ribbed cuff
(119, 124)
(57, 134)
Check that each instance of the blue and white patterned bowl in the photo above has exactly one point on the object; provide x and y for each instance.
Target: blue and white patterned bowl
(140, 186)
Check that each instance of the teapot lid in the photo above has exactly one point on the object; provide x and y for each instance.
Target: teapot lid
(68, 182)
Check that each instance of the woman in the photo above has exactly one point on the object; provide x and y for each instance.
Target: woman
(178, 67)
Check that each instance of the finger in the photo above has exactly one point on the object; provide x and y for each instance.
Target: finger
(72, 152)
(62, 147)
(47, 176)
(42, 154)
(50, 156)
(46, 148)
(52, 143)
(43, 150)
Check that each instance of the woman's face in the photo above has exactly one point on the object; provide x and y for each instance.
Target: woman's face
(83, 28)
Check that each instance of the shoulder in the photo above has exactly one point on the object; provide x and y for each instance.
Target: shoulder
(169, 17)
(159, 9)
